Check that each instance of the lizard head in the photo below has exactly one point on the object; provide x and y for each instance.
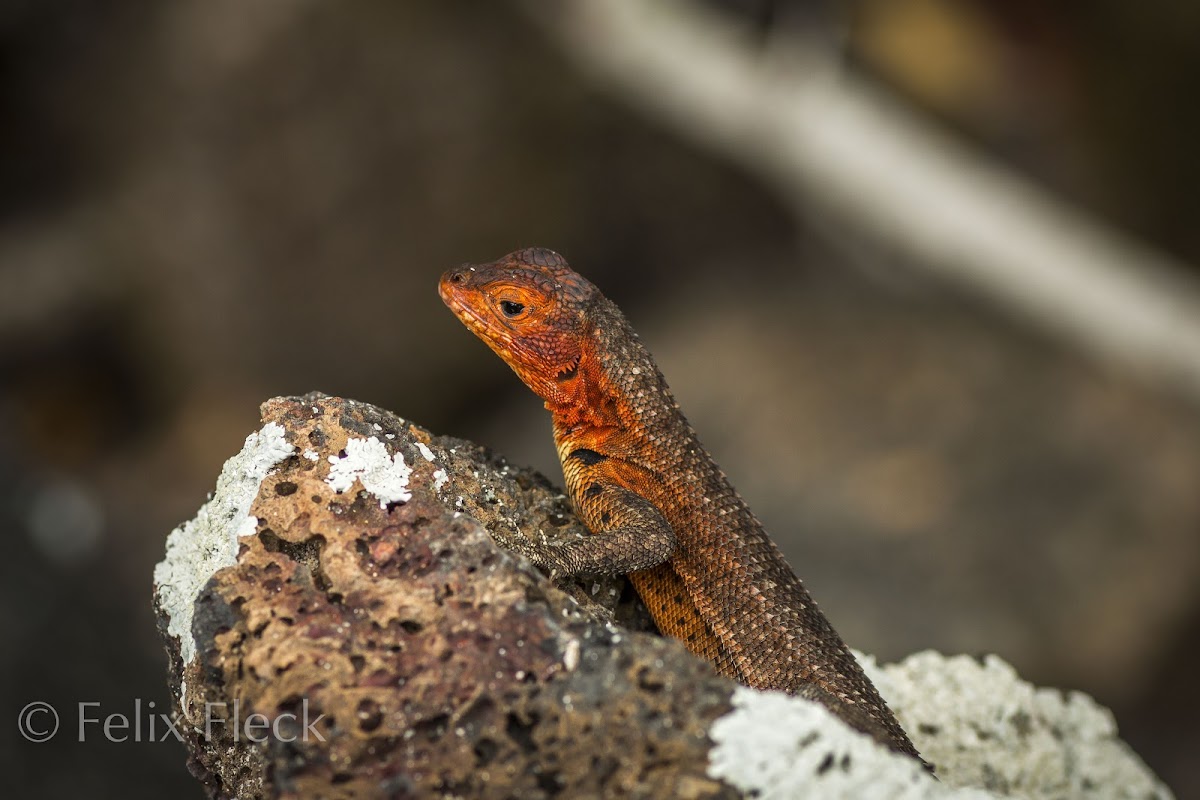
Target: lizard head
(530, 307)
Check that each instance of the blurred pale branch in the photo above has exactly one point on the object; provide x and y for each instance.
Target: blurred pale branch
(845, 152)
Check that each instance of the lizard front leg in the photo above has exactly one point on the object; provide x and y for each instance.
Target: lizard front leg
(628, 535)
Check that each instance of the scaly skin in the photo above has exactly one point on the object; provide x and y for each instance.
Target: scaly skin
(660, 509)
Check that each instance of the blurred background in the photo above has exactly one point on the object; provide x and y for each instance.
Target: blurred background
(206, 203)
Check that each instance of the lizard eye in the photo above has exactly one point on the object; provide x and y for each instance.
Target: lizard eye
(511, 308)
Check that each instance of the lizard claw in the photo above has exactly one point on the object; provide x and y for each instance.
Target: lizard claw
(515, 543)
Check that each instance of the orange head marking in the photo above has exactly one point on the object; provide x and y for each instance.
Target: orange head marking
(531, 309)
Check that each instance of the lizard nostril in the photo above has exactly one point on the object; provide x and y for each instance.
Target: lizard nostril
(455, 277)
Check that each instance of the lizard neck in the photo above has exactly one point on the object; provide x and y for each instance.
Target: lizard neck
(588, 408)
(618, 398)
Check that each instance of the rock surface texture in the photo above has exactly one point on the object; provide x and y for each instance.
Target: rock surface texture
(340, 624)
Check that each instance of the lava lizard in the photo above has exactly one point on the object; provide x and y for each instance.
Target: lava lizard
(660, 510)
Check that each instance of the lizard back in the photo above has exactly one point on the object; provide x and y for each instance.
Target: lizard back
(742, 606)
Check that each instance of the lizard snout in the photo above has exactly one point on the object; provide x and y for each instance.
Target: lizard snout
(459, 276)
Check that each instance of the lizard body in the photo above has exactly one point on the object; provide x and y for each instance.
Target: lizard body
(660, 509)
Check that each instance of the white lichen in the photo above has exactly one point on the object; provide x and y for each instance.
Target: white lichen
(425, 451)
(991, 728)
(368, 462)
(248, 526)
(440, 479)
(990, 734)
(311, 454)
(775, 746)
(208, 542)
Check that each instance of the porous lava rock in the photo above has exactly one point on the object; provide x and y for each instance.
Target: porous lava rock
(362, 634)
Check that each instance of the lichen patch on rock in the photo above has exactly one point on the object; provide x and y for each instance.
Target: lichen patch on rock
(368, 462)
(208, 542)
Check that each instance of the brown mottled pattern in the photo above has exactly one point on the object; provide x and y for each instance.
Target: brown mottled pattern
(661, 510)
